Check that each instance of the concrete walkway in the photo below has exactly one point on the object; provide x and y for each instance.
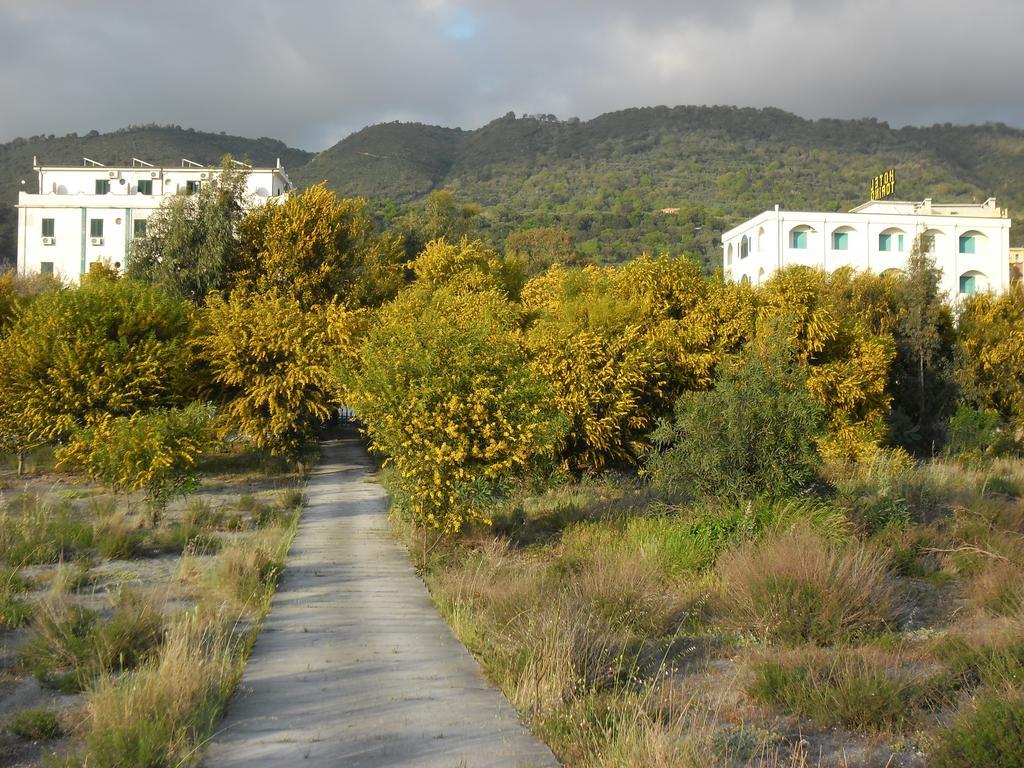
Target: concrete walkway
(354, 666)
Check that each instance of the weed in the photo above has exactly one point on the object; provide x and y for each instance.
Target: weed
(115, 538)
(848, 690)
(796, 587)
(33, 531)
(70, 646)
(200, 513)
(177, 537)
(990, 733)
(36, 725)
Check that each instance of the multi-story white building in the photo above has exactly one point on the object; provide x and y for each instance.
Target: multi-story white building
(91, 213)
(970, 242)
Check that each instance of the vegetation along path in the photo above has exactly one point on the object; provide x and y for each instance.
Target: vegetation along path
(354, 666)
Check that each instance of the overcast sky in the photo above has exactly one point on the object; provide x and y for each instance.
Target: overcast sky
(311, 71)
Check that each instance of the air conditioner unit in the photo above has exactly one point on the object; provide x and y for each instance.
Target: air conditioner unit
(154, 174)
(113, 174)
(97, 241)
(204, 175)
(49, 240)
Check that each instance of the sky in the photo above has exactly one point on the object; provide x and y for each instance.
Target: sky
(310, 72)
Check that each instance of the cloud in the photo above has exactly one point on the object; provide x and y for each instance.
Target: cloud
(311, 72)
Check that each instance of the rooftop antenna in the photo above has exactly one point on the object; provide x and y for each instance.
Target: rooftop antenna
(92, 163)
(136, 163)
(186, 163)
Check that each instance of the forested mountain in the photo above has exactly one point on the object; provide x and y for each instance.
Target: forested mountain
(608, 179)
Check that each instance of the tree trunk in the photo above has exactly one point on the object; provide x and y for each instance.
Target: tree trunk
(21, 463)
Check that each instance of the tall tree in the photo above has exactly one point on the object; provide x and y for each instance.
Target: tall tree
(921, 376)
(191, 245)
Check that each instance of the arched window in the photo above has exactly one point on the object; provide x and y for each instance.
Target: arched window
(728, 255)
(759, 242)
(760, 275)
(891, 240)
(798, 237)
(973, 281)
(841, 238)
(971, 243)
(745, 280)
(744, 247)
(931, 241)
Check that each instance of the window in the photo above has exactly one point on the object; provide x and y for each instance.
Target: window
(191, 187)
(95, 227)
(744, 247)
(798, 239)
(145, 187)
(47, 227)
(46, 267)
(840, 241)
(139, 228)
(888, 241)
(967, 284)
(928, 243)
(102, 186)
(967, 245)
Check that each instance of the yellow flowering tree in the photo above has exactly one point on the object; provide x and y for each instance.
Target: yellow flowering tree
(445, 393)
(74, 356)
(155, 452)
(273, 359)
(320, 248)
(990, 358)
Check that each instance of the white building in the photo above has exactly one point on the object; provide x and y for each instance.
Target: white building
(91, 213)
(970, 242)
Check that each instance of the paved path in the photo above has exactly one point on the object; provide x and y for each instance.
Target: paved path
(354, 666)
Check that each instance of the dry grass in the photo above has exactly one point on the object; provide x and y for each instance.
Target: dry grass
(797, 587)
(161, 715)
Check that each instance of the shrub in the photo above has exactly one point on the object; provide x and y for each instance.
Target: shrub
(753, 434)
(796, 587)
(990, 733)
(248, 570)
(36, 725)
(972, 430)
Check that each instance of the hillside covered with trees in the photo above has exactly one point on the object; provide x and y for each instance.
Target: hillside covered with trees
(606, 181)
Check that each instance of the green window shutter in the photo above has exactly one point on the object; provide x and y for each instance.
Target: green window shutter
(885, 242)
(46, 267)
(96, 228)
(139, 227)
(145, 187)
(840, 241)
(47, 227)
(798, 239)
(966, 243)
(899, 243)
(967, 284)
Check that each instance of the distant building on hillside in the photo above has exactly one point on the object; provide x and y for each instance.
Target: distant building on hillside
(970, 242)
(1016, 265)
(92, 213)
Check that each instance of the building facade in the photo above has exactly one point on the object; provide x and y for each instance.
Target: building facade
(88, 214)
(970, 242)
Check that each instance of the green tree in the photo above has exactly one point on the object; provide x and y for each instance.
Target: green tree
(753, 434)
(921, 376)
(191, 245)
